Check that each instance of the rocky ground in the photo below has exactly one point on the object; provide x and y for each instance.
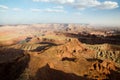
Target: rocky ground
(49, 54)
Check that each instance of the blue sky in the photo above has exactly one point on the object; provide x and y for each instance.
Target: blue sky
(60, 11)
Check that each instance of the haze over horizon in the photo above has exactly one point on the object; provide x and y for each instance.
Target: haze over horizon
(104, 12)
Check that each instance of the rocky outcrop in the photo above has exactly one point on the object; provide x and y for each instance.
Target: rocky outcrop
(110, 55)
(95, 39)
(106, 51)
(70, 61)
(47, 73)
(103, 70)
(12, 63)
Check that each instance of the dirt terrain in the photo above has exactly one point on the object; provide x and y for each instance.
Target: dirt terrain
(59, 52)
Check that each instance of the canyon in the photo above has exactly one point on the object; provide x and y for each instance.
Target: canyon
(59, 52)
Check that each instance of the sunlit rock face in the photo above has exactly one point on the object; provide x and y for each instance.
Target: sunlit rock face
(59, 52)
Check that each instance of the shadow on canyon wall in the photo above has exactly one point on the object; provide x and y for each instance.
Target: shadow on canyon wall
(47, 73)
(12, 65)
(115, 75)
(95, 39)
(46, 46)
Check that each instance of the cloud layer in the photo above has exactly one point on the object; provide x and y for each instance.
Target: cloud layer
(108, 5)
(3, 7)
(48, 10)
(82, 4)
(76, 4)
(56, 1)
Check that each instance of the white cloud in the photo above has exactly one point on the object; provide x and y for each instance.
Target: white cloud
(83, 4)
(17, 9)
(54, 10)
(87, 3)
(108, 5)
(3, 7)
(56, 1)
(48, 10)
